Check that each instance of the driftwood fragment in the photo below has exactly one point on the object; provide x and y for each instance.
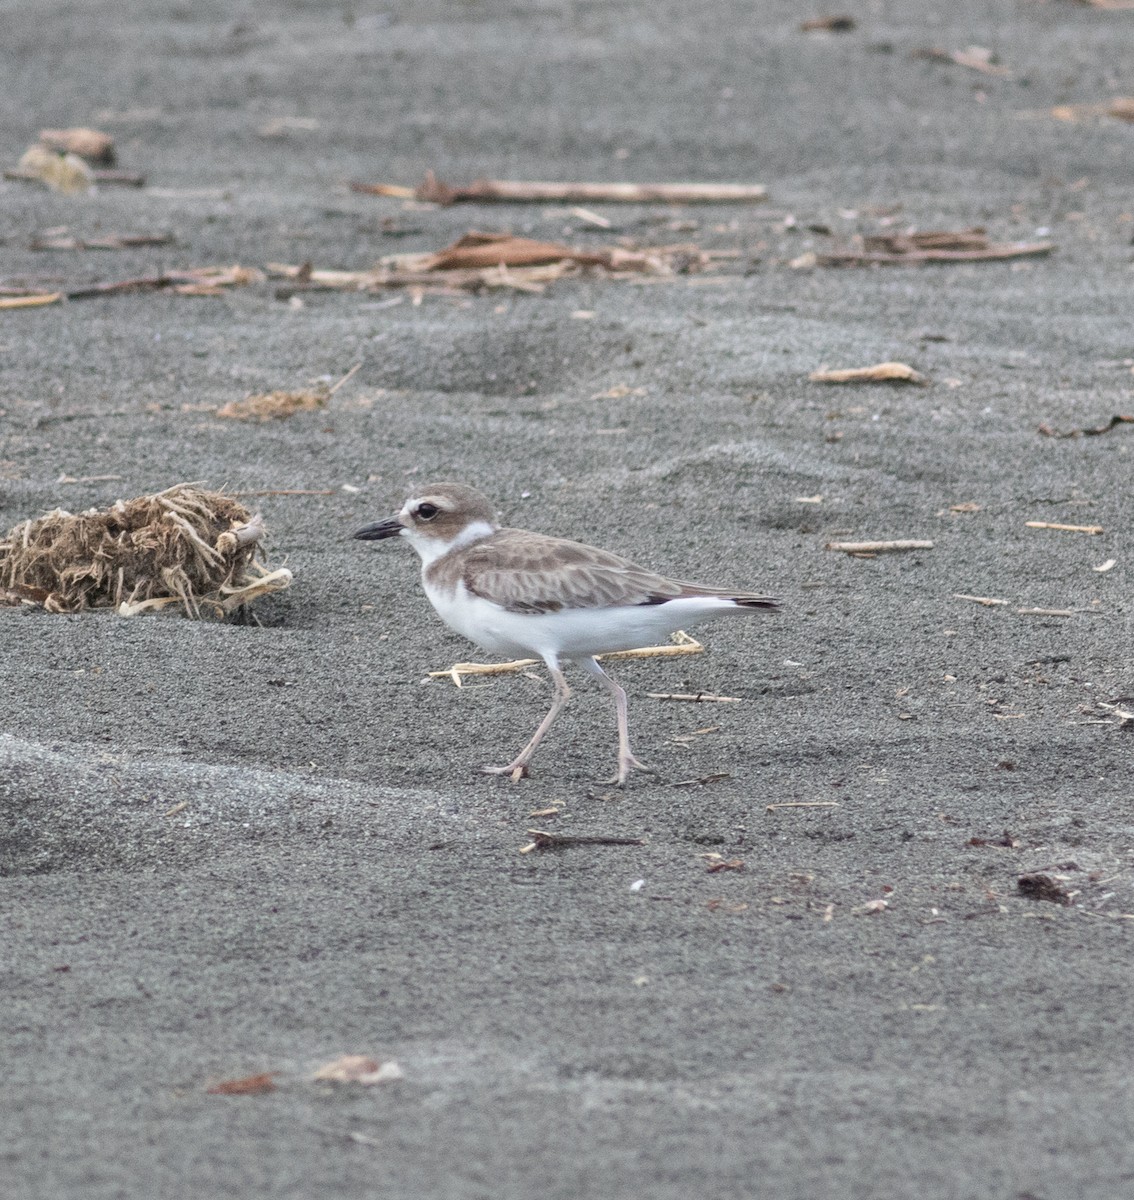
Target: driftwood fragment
(1091, 529)
(894, 547)
(33, 300)
(434, 190)
(887, 372)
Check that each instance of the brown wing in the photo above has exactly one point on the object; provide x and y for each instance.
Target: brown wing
(527, 572)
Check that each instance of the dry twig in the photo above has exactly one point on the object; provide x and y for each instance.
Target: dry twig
(434, 190)
(1092, 529)
(931, 246)
(864, 548)
(1093, 431)
(542, 839)
(681, 643)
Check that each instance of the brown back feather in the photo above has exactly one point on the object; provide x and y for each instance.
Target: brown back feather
(509, 569)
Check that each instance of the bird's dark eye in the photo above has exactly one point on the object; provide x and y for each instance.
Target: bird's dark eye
(427, 511)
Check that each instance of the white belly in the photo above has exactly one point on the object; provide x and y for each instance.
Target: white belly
(571, 633)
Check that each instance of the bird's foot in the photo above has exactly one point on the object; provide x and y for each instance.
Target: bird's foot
(625, 763)
(517, 770)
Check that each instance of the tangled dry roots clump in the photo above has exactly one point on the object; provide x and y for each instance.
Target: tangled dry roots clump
(185, 546)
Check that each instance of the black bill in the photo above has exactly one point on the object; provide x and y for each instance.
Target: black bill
(389, 528)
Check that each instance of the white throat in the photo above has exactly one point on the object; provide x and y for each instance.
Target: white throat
(432, 548)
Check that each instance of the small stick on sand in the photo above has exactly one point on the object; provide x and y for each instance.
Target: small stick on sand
(987, 601)
(520, 192)
(30, 301)
(682, 644)
(544, 840)
(695, 697)
(802, 804)
(1092, 529)
(1045, 612)
(878, 547)
(715, 777)
(346, 378)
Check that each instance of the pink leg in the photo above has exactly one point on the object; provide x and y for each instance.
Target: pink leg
(626, 759)
(518, 767)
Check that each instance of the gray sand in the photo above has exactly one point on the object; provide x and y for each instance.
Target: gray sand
(230, 849)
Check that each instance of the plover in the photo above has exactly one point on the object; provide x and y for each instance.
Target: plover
(518, 593)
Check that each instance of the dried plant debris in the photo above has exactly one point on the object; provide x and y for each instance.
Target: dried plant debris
(887, 372)
(931, 246)
(1091, 431)
(1038, 886)
(679, 643)
(194, 281)
(434, 191)
(196, 549)
(274, 406)
(485, 261)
